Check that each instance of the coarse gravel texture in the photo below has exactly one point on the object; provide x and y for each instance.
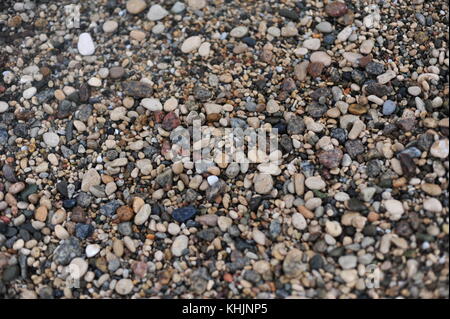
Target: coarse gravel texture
(358, 92)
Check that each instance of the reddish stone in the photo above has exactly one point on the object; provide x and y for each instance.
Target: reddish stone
(159, 116)
(365, 60)
(315, 69)
(170, 121)
(331, 159)
(336, 9)
(288, 85)
(139, 268)
(78, 215)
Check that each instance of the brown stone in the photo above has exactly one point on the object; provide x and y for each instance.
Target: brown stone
(305, 212)
(357, 109)
(41, 214)
(315, 69)
(78, 215)
(170, 121)
(124, 213)
(331, 158)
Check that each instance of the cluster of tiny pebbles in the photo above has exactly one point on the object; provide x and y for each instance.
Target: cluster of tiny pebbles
(353, 203)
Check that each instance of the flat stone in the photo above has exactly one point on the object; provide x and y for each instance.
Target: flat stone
(143, 214)
(239, 32)
(124, 287)
(432, 205)
(179, 245)
(156, 13)
(51, 139)
(315, 183)
(136, 6)
(110, 26)
(263, 183)
(90, 178)
(440, 148)
(394, 208)
(320, 56)
(191, 44)
(312, 44)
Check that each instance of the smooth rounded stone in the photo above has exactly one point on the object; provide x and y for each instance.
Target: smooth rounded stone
(312, 44)
(173, 229)
(78, 268)
(51, 139)
(336, 9)
(293, 265)
(224, 223)
(431, 189)
(179, 245)
(3, 107)
(124, 286)
(136, 6)
(239, 32)
(298, 221)
(263, 183)
(204, 49)
(341, 197)
(212, 180)
(110, 26)
(95, 82)
(90, 178)
(92, 250)
(258, 236)
(152, 104)
(29, 93)
(333, 228)
(143, 214)
(320, 57)
(156, 13)
(349, 275)
(366, 46)
(345, 34)
(86, 44)
(389, 107)
(191, 44)
(432, 205)
(197, 4)
(394, 208)
(435, 103)
(315, 183)
(61, 232)
(440, 148)
(269, 168)
(324, 27)
(348, 261)
(414, 90)
(352, 57)
(386, 76)
(272, 106)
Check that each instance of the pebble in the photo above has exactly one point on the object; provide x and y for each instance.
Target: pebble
(239, 32)
(394, 208)
(315, 183)
(414, 90)
(432, 205)
(3, 107)
(85, 44)
(320, 57)
(179, 244)
(156, 13)
(191, 44)
(51, 139)
(312, 44)
(263, 183)
(324, 27)
(92, 250)
(136, 6)
(124, 286)
(29, 93)
(110, 26)
(440, 148)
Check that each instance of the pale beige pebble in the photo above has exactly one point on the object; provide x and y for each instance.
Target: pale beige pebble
(224, 223)
(16, 187)
(136, 146)
(262, 267)
(61, 232)
(298, 221)
(432, 205)
(299, 183)
(43, 167)
(110, 26)
(136, 6)
(174, 229)
(143, 214)
(128, 102)
(129, 244)
(315, 183)
(394, 208)
(345, 33)
(137, 35)
(145, 166)
(137, 203)
(300, 70)
(289, 30)
(118, 113)
(158, 194)
(118, 162)
(263, 183)
(110, 188)
(349, 275)
(386, 77)
(239, 32)
(197, 4)
(431, 189)
(171, 104)
(357, 128)
(179, 245)
(258, 236)
(41, 214)
(366, 46)
(80, 126)
(272, 106)
(333, 228)
(90, 178)
(312, 44)
(177, 167)
(191, 44)
(320, 56)
(118, 247)
(204, 49)
(352, 57)
(124, 286)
